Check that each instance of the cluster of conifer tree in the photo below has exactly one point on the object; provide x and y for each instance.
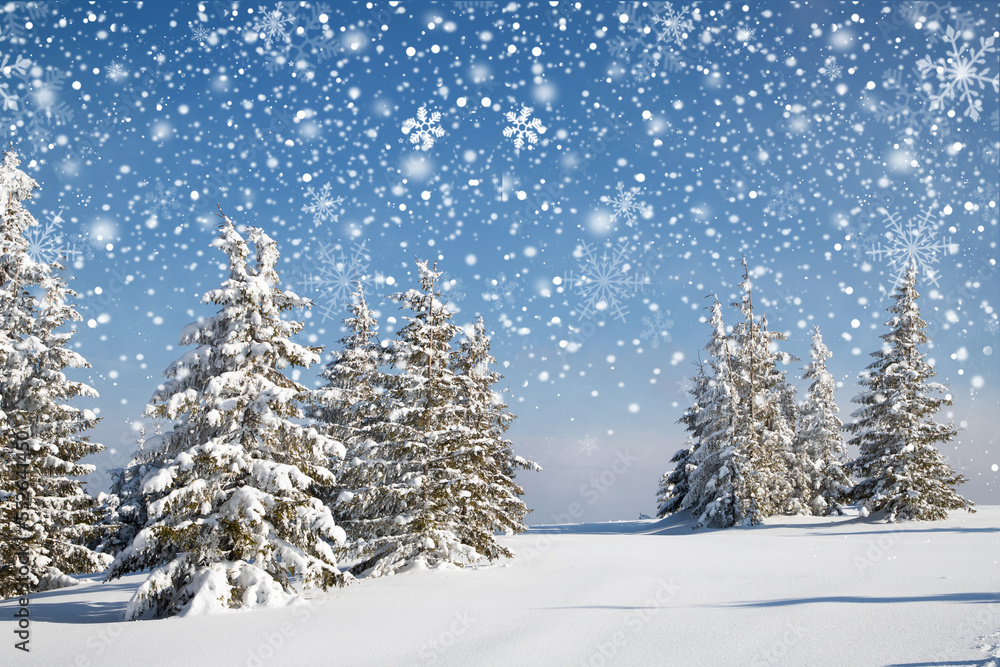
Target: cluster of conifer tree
(257, 486)
(752, 452)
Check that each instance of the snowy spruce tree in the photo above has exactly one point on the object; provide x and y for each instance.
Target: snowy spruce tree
(351, 400)
(760, 429)
(45, 515)
(437, 472)
(489, 499)
(675, 484)
(718, 495)
(123, 509)
(900, 471)
(818, 440)
(233, 501)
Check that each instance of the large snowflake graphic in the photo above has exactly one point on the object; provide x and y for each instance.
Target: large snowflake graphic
(335, 275)
(674, 25)
(605, 281)
(909, 242)
(656, 328)
(162, 200)
(958, 74)
(625, 204)
(322, 206)
(588, 445)
(46, 244)
(502, 290)
(523, 128)
(424, 128)
(784, 202)
(312, 42)
(273, 25)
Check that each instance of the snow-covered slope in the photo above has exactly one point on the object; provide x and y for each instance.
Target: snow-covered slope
(796, 591)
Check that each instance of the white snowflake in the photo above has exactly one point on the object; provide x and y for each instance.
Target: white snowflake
(424, 128)
(273, 25)
(116, 72)
(45, 241)
(162, 200)
(656, 328)
(588, 445)
(676, 24)
(336, 275)
(200, 33)
(784, 202)
(744, 34)
(625, 205)
(831, 69)
(912, 242)
(314, 41)
(502, 291)
(322, 206)
(993, 325)
(958, 75)
(8, 68)
(605, 281)
(524, 128)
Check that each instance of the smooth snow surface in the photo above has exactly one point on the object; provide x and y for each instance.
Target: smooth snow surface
(795, 591)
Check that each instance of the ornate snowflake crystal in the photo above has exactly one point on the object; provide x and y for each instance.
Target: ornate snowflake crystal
(502, 291)
(588, 445)
(831, 69)
(335, 276)
(912, 242)
(322, 206)
(523, 127)
(116, 72)
(604, 282)
(993, 325)
(8, 68)
(958, 76)
(625, 205)
(784, 202)
(656, 328)
(273, 25)
(45, 241)
(312, 42)
(162, 200)
(424, 128)
(674, 25)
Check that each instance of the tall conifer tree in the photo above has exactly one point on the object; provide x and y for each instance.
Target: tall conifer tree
(233, 502)
(900, 471)
(45, 516)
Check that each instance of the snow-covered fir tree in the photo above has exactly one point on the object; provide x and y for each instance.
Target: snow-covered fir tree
(351, 399)
(489, 498)
(45, 515)
(675, 484)
(760, 429)
(408, 512)
(718, 495)
(900, 470)
(123, 509)
(234, 515)
(818, 438)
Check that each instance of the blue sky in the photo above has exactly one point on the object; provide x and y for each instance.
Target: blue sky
(659, 143)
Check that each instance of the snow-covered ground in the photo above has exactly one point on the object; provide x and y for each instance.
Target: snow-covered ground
(796, 591)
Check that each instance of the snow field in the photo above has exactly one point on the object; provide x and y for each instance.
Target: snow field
(794, 591)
